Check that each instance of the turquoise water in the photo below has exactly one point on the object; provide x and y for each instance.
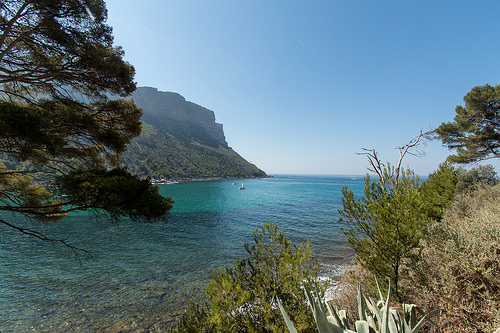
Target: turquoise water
(141, 276)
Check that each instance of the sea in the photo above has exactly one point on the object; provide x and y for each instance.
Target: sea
(140, 277)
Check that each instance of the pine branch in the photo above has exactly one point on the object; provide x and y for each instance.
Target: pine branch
(46, 238)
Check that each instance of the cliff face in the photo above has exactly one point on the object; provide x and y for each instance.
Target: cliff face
(162, 107)
(181, 139)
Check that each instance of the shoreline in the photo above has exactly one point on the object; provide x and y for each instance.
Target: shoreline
(170, 181)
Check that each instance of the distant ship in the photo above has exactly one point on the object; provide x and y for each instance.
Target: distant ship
(242, 187)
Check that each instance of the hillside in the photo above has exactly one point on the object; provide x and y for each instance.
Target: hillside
(181, 139)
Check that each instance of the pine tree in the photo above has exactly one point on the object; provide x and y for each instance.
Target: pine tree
(58, 71)
(475, 130)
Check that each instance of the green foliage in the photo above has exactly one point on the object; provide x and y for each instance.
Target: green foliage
(374, 316)
(55, 131)
(51, 45)
(386, 224)
(457, 276)
(439, 188)
(475, 130)
(244, 298)
(471, 180)
(195, 320)
(58, 67)
(103, 190)
(37, 202)
(161, 153)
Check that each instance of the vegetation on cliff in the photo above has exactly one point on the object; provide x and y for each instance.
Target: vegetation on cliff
(158, 153)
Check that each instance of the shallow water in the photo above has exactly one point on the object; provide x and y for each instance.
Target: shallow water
(141, 276)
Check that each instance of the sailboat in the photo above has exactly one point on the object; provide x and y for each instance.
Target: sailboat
(242, 187)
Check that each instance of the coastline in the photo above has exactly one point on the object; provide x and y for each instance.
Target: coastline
(169, 181)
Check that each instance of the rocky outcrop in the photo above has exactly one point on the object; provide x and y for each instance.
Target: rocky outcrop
(172, 109)
(181, 140)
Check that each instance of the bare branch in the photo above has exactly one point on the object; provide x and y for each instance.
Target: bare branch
(412, 144)
(15, 172)
(376, 164)
(46, 238)
(11, 23)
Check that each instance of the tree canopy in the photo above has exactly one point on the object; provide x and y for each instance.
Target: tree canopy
(475, 130)
(63, 111)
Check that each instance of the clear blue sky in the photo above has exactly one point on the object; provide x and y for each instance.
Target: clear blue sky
(301, 86)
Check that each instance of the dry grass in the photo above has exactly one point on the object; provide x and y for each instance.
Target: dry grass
(455, 277)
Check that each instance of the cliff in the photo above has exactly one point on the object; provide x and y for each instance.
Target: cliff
(164, 107)
(181, 139)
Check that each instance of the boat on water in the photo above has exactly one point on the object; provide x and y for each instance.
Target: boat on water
(242, 187)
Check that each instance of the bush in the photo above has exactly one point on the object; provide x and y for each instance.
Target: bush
(439, 188)
(457, 279)
(244, 298)
(470, 181)
(385, 226)
(195, 320)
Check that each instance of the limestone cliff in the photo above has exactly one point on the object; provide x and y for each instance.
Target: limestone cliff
(181, 139)
(164, 106)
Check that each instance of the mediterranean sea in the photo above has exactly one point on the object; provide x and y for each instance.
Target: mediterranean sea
(141, 276)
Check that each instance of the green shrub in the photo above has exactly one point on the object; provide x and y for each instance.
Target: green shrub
(195, 319)
(471, 180)
(244, 298)
(439, 188)
(386, 224)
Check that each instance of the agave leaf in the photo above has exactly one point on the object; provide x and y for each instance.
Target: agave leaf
(381, 297)
(338, 321)
(406, 328)
(361, 304)
(369, 305)
(329, 308)
(320, 317)
(386, 313)
(362, 326)
(410, 314)
(372, 323)
(417, 327)
(393, 320)
(319, 301)
(288, 322)
(413, 316)
(375, 310)
(330, 316)
(395, 316)
(331, 319)
(343, 317)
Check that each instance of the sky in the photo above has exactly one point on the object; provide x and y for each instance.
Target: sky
(302, 86)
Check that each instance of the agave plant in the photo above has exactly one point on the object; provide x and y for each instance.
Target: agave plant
(374, 317)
